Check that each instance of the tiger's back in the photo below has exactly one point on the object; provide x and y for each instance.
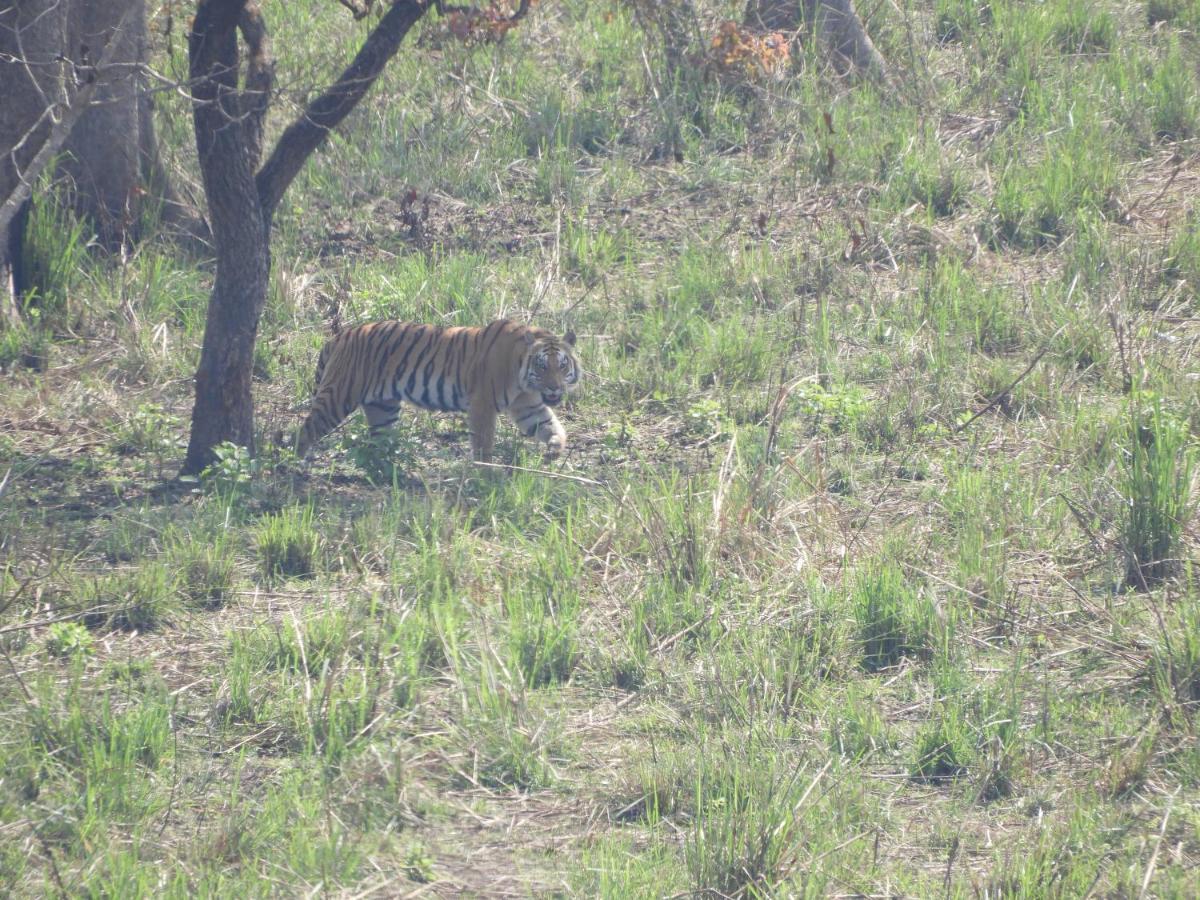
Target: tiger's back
(502, 367)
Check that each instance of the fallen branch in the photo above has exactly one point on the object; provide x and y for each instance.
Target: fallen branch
(546, 473)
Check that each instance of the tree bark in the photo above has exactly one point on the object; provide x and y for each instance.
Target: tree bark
(72, 81)
(224, 410)
(836, 22)
(69, 87)
(102, 152)
(228, 123)
(32, 36)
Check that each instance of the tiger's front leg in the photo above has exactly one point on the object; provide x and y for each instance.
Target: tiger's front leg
(537, 420)
(482, 418)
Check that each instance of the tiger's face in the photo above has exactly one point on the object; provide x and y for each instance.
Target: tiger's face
(551, 368)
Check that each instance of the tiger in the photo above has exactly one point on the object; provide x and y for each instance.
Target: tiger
(504, 366)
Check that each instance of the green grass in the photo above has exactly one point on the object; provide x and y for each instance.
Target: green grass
(1158, 493)
(894, 621)
(288, 544)
(870, 565)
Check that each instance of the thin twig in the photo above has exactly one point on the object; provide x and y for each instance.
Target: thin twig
(1025, 374)
(1174, 174)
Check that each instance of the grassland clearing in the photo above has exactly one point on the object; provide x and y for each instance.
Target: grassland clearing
(868, 570)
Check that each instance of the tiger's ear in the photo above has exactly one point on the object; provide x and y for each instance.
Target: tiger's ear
(569, 337)
(529, 338)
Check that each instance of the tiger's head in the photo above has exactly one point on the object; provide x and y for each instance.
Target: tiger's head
(549, 366)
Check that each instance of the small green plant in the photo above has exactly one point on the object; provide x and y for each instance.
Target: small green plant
(743, 838)
(928, 176)
(625, 664)
(131, 672)
(955, 20)
(1172, 88)
(618, 435)
(148, 430)
(783, 666)
(834, 410)
(68, 639)
(1181, 262)
(25, 345)
(240, 698)
(416, 644)
(542, 636)
(1174, 668)
(1038, 203)
(340, 712)
(1127, 767)
(1158, 482)
(288, 544)
(998, 326)
(705, 418)
(385, 456)
(661, 787)
(858, 730)
(418, 864)
(510, 742)
(306, 647)
(590, 250)
(232, 471)
(1081, 27)
(54, 256)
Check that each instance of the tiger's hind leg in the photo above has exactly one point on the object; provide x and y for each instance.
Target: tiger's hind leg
(537, 420)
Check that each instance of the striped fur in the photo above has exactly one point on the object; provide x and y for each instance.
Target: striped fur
(503, 367)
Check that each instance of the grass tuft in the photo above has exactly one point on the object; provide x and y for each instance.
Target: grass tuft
(207, 573)
(942, 747)
(743, 838)
(1158, 484)
(1174, 668)
(142, 600)
(288, 544)
(894, 620)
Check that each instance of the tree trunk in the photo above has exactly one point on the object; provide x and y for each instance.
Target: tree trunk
(835, 21)
(71, 82)
(32, 36)
(102, 154)
(224, 410)
(228, 123)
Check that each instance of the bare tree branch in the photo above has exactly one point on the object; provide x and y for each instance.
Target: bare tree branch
(358, 8)
(307, 133)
